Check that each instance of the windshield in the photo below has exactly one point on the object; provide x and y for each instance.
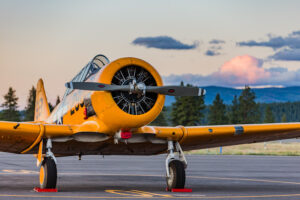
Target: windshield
(91, 68)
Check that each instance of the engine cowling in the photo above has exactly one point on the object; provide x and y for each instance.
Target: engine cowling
(124, 110)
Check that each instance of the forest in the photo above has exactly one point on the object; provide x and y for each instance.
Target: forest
(187, 111)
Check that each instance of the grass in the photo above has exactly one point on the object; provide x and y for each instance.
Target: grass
(269, 148)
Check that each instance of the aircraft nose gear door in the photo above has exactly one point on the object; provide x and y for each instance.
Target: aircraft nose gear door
(48, 171)
(175, 168)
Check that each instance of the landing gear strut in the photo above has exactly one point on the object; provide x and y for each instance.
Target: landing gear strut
(48, 171)
(175, 167)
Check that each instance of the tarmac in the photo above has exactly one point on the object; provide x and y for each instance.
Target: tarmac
(143, 177)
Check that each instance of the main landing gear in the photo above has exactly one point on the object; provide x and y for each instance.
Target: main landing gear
(48, 171)
(175, 167)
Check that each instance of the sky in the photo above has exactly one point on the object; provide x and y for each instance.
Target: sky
(228, 43)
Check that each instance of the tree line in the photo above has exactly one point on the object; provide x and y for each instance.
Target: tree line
(190, 111)
(187, 111)
(10, 106)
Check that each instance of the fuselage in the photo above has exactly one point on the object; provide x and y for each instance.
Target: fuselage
(108, 117)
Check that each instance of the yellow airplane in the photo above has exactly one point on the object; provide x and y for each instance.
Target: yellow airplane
(105, 111)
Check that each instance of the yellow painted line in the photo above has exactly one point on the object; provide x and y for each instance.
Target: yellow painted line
(143, 197)
(102, 174)
(244, 179)
(151, 193)
(126, 193)
(254, 196)
(197, 177)
(137, 193)
(23, 171)
(9, 171)
(70, 197)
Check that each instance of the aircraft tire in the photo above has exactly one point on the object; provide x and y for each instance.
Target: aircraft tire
(177, 175)
(48, 174)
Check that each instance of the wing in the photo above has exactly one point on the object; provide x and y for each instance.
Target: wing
(199, 137)
(20, 137)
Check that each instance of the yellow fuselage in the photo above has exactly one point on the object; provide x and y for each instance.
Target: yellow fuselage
(109, 118)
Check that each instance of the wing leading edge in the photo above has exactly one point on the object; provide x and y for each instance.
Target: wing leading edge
(21, 137)
(199, 137)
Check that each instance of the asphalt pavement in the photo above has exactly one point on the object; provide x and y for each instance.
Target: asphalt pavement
(141, 177)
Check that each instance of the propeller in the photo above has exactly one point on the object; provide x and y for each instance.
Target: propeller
(138, 88)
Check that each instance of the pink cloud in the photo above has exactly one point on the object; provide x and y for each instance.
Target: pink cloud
(242, 70)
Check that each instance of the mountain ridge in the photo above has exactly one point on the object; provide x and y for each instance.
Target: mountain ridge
(263, 95)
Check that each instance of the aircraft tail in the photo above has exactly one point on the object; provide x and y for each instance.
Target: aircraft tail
(42, 110)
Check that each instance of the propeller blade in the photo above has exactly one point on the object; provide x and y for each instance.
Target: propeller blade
(165, 90)
(176, 90)
(96, 86)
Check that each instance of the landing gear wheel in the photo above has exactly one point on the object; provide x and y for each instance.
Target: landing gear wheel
(177, 175)
(48, 174)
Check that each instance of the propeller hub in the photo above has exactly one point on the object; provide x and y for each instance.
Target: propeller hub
(137, 88)
(141, 88)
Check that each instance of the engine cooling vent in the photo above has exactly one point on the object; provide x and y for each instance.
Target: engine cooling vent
(134, 104)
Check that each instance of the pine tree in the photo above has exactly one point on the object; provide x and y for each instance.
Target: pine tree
(50, 107)
(248, 109)
(283, 118)
(57, 100)
(10, 105)
(269, 116)
(187, 110)
(29, 109)
(217, 112)
(234, 111)
(161, 119)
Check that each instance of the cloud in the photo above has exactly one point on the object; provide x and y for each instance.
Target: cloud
(292, 41)
(286, 48)
(277, 70)
(287, 54)
(241, 71)
(163, 42)
(212, 52)
(288, 78)
(296, 33)
(275, 43)
(215, 41)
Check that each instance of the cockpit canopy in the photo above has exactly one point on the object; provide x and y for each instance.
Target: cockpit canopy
(91, 68)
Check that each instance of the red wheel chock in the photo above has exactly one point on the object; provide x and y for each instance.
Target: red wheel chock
(179, 190)
(37, 189)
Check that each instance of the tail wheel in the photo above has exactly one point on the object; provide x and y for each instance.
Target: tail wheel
(48, 174)
(177, 175)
